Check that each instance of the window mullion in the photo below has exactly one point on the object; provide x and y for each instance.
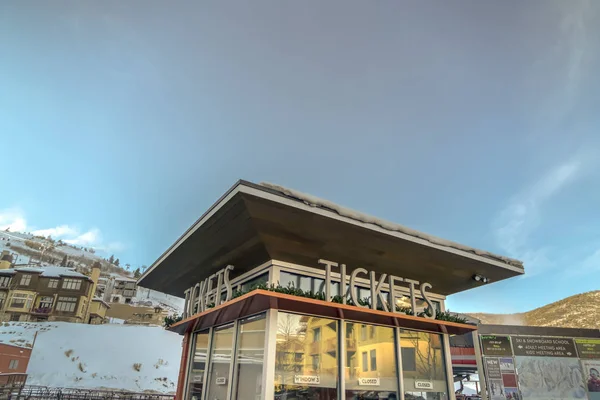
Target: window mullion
(399, 363)
(342, 359)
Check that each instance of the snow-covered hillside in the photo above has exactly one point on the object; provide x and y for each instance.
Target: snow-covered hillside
(126, 357)
(20, 245)
(152, 298)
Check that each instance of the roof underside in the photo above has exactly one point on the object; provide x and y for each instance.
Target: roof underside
(252, 224)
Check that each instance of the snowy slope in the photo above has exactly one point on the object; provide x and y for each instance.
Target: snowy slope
(100, 356)
(153, 298)
(19, 333)
(17, 244)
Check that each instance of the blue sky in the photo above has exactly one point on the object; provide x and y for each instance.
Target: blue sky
(474, 121)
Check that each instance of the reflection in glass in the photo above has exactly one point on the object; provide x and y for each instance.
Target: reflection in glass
(220, 363)
(306, 361)
(254, 282)
(250, 355)
(423, 364)
(307, 283)
(371, 370)
(198, 367)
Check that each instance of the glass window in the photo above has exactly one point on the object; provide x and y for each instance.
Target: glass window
(13, 364)
(404, 301)
(198, 367)
(46, 302)
(316, 334)
(307, 283)
(371, 371)
(427, 369)
(220, 362)
(53, 283)
(5, 281)
(373, 360)
(2, 299)
(72, 284)
(25, 280)
(249, 358)
(66, 304)
(305, 368)
(19, 300)
(409, 359)
(254, 282)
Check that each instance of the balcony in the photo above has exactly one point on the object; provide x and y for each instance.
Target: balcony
(41, 311)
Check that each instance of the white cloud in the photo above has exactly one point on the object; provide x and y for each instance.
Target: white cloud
(89, 238)
(12, 219)
(57, 233)
(523, 215)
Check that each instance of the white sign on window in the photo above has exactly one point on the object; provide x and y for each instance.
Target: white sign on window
(221, 381)
(368, 381)
(304, 379)
(424, 385)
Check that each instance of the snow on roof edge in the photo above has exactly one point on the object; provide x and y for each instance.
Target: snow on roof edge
(314, 201)
(53, 271)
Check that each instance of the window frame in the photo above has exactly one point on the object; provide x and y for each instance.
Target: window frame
(13, 364)
(373, 359)
(25, 277)
(5, 281)
(53, 283)
(71, 283)
(27, 300)
(44, 300)
(61, 304)
(365, 361)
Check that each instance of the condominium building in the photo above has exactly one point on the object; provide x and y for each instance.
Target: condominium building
(48, 294)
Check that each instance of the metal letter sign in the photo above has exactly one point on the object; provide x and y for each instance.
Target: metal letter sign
(208, 293)
(541, 346)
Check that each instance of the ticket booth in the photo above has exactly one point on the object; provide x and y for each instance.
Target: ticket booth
(292, 297)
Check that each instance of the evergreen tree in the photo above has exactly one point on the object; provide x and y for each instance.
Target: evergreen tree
(111, 259)
(137, 273)
(64, 261)
(117, 262)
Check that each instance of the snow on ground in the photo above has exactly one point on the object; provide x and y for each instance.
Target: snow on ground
(125, 357)
(172, 303)
(20, 334)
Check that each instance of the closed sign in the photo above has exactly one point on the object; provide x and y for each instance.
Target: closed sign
(427, 385)
(368, 381)
(307, 379)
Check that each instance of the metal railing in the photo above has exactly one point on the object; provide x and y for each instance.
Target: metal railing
(52, 393)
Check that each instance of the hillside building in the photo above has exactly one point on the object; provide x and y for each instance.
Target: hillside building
(115, 288)
(46, 294)
(289, 296)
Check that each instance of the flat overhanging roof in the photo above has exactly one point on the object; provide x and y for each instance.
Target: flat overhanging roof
(252, 224)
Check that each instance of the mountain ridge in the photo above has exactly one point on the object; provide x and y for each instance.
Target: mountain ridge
(577, 311)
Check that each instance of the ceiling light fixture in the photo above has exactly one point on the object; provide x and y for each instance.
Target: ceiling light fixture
(479, 278)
